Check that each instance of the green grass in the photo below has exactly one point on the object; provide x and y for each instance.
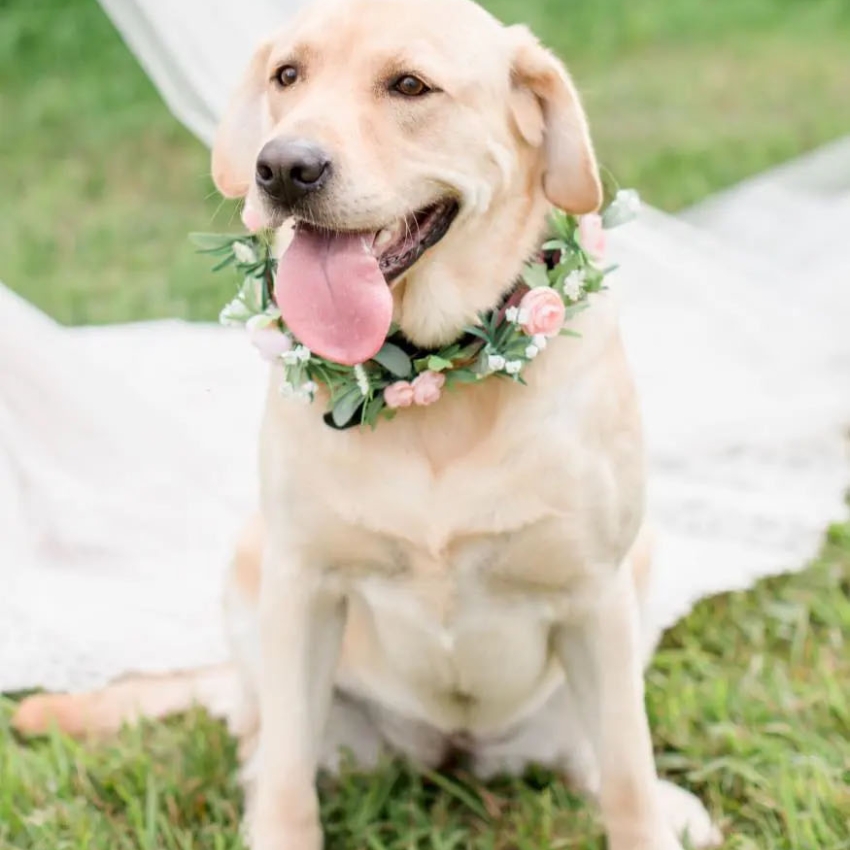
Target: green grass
(750, 707)
(749, 696)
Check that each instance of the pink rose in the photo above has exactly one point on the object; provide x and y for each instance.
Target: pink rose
(591, 235)
(427, 387)
(541, 311)
(271, 342)
(399, 394)
(251, 218)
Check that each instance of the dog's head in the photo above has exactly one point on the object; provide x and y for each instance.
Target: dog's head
(416, 144)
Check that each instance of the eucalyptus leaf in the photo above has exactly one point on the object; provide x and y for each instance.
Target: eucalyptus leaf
(536, 275)
(463, 376)
(572, 311)
(562, 224)
(394, 360)
(372, 409)
(438, 364)
(346, 406)
(211, 241)
(554, 245)
(479, 332)
(228, 260)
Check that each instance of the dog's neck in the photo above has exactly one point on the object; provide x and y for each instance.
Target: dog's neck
(474, 269)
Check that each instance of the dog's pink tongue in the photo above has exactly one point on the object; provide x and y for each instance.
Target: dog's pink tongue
(332, 295)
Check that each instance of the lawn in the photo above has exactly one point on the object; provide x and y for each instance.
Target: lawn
(749, 696)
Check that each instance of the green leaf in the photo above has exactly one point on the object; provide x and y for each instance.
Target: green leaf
(555, 245)
(562, 224)
(479, 332)
(568, 332)
(535, 274)
(574, 309)
(223, 263)
(346, 406)
(438, 364)
(372, 410)
(211, 241)
(463, 376)
(394, 360)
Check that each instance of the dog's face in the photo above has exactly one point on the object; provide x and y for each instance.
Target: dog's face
(424, 128)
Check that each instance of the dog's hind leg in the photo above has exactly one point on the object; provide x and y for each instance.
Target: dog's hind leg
(100, 713)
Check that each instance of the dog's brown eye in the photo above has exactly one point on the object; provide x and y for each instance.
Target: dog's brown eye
(286, 75)
(410, 86)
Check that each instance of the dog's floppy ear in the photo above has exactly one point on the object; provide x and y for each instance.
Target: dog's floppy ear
(548, 113)
(241, 131)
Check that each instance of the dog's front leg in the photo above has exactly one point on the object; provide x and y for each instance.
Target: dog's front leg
(601, 657)
(301, 627)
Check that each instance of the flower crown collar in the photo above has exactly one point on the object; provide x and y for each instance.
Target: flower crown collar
(552, 289)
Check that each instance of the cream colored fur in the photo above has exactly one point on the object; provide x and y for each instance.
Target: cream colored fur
(469, 575)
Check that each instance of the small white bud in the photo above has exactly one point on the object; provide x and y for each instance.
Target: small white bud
(244, 253)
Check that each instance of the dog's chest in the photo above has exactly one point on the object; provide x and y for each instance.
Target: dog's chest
(446, 645)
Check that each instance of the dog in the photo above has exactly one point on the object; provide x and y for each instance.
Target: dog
(469, 576)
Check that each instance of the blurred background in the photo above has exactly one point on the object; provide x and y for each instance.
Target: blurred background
(101, 184)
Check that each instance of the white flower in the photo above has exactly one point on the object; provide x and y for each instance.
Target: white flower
(260, 321)
(244, 253)
(495, 362)
(299, 354)
(512, 315)
(532, 351)
(629, 200)
(234, 313)
(539, 341)
(573, 285)
(513, 367)
(624, 207)
(303, 393)
(362, 379)
(251, 291)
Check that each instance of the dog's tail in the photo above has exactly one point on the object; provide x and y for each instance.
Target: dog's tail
(100, 713)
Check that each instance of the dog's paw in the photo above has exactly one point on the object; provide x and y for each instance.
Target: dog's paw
(265, 828)
(280, 836)
(660, 839)
(38, 714)
(687, 817)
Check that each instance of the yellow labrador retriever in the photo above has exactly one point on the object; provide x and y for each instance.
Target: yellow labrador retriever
(468, 576)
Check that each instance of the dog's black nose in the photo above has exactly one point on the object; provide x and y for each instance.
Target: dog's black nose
(289, 169)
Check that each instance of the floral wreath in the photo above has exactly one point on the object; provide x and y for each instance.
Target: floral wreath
(553, 288)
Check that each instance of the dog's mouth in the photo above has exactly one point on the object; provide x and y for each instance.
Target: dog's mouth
(333, 287)
(400, 245)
